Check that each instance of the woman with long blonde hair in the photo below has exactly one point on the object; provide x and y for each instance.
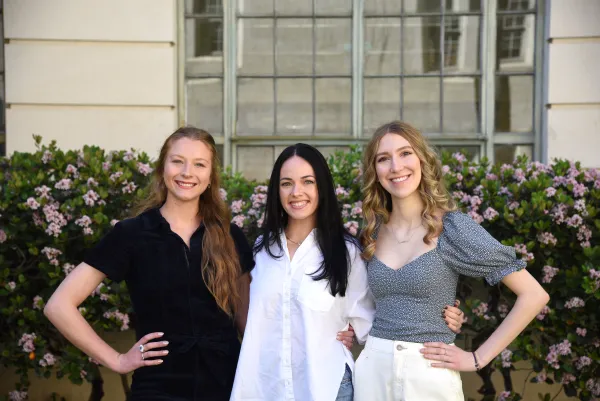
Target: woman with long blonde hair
(186, 267)
(416, 245)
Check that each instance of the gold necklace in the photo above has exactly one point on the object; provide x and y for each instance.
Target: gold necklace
(406, 240)
(292, 241)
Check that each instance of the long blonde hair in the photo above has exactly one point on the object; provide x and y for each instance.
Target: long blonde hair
(220, 260)
(377, 202)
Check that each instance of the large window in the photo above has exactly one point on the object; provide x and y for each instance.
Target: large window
(2, 97)
(263, 74)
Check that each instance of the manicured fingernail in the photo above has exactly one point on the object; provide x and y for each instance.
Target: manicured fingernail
(165, 352)
(165, 342)
(161, 334)
(446, 307)
(447, 324)
(160, 361)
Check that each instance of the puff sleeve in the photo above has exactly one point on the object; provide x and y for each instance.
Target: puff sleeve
(470, 250)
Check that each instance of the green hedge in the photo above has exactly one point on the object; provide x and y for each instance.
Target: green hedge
(55, 204)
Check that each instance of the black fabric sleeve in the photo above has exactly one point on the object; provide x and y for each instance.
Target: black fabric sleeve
(112, 255)
(243, 248)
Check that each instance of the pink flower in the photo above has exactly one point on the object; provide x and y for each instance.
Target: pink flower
(519, 175)
(459, 176)
(38, 302)
(522, 249)
(261, 189)
(121, 318)
(503, 310)
(236, 206)
(26, 342)
(43, 192)
(505, 167)
(113, 222)
(3, 236)
(223, 194)
(341, 192)
(491, 177)
(18, 395)
(513, 205)
(459, 157)
(83, 374)
(91, 197)
(541, 377)
(506, 356)
(48, 360)
(129, 155)
(128, 187)
(87, 231)
(258, 200)
(32, 203)
(83, 221)
(579, 190)
(545, 310)
(106, 166)
(481, 309)
(549, 273)
(68, 268)
(550, 192)
(575, 302)
(11, 285)
(92, 182)
(260, 221)
(567, 378)
(352, 227)
(239, 220)
(547, 238)
(504, 395)
(490, 214)
(574, 221)
(115, 176)
(445, 169)
(356, 211)
(475, 216)
(47, 157)
(144, 168)
(582, 362)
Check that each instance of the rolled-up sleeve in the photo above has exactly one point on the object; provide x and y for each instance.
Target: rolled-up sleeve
(470, 250)
(360, 304)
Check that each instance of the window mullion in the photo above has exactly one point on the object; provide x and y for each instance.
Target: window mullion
(357, 66)
(540, 83)
(229, 76)
(489, 74)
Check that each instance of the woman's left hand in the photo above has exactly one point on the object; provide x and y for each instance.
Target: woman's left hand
(346, 337)
(448, 356)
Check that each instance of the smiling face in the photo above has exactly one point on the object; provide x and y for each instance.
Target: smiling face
(298, 189)
(187, 169)
(398, 167)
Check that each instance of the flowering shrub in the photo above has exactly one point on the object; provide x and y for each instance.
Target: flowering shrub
(55, 204)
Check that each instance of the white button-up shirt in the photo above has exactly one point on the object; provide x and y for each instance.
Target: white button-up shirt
(290, 350)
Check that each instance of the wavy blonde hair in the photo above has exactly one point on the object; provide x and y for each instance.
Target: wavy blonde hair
(220, 260)
(377, 202)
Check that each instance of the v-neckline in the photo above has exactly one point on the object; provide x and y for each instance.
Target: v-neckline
(407, 263)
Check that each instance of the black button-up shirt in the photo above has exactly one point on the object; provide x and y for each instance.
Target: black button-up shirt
(169, 295)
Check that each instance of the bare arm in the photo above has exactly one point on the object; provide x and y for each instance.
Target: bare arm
(241, 316)
(531, 298)
(61, 310)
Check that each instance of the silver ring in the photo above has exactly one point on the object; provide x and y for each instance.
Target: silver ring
(142, 348)
(142, 356)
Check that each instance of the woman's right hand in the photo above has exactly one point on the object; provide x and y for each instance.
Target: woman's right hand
(134, 358)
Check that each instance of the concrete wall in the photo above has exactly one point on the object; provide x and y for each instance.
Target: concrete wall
(87, 72)
(573, 126)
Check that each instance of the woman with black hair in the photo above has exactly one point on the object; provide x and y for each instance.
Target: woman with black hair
(309, 283)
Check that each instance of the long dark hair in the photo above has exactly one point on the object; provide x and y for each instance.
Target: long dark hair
(331, 234)
(220, 262)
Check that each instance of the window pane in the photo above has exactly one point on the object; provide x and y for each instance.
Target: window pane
(462, 44)
(508, 153)
(220, 153)
(255, 42)
(516, 5)
(382, 46)
(514, 104)
(255, 7)
(421, 106)
(204, 46)
(255, 106)
(421, 45)
(294, 46)
(461, 104)
(515, 42)
(333, 45)
(205, 104)
(381, 102)
(255, 162)
(383, 7)
(294, 106)
(333, 7)
(294, 7)
(334, 106)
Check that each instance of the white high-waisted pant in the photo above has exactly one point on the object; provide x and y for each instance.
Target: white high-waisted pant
(389, 370)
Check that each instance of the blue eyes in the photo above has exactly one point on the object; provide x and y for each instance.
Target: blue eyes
(288, 183)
